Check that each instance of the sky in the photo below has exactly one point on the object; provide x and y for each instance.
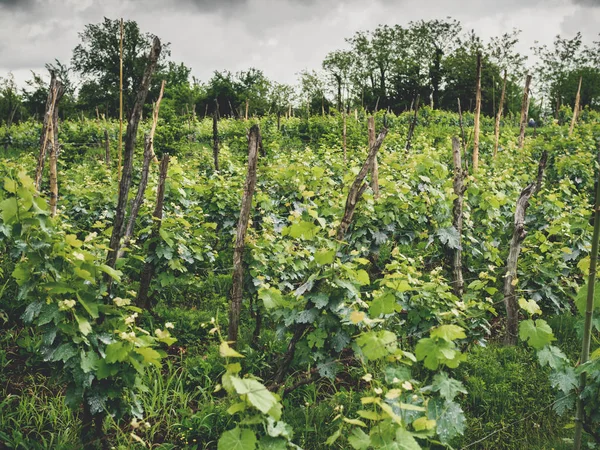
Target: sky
(280, 37)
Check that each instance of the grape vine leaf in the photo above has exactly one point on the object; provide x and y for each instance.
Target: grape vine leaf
(447, 387)
(377, 344)
(359, 440)
(449, 237)
(257, 394)
(537, 333)
(552, 356)
(237, 439)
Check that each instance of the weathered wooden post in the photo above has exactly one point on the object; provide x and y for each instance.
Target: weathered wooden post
(524, 111)
(477, 115)
(499, 116)
(576, 107)
(235, 305)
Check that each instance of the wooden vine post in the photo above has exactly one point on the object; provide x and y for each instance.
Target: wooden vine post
(216, 139)
(524, 111)
(55, 92)
(477, 115)
(462, 128)
(413, 124)
(358, 187)
(375, 171)
(499, 116)
(235, 305)
(576, 107)
(106, 148)
(519, 233)
(457, 214)
(130, 139)
(120, 151)
(587, 324)
(143, 299)
(344, 130)
(136, 203)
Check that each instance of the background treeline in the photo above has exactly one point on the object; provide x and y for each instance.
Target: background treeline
(385, 68)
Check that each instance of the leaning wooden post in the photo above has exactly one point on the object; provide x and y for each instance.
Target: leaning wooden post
(524, 111)
(375, 171)
(143, 299)
(589, 310)
(216, 140)
(413, 124)
(477, 115)
(136, 203)
(519, 233)
(457, 213)
(344, 130)
(576, 107)
(130, 139)
(235, 306)
(358, 186)
(499, 116)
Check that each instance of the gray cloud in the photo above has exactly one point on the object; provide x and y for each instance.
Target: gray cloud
(589, 3)
(16, 4)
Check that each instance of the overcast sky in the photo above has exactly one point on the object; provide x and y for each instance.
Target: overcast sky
(281, 37)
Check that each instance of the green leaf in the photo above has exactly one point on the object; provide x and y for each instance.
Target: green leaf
(64, 353)
(359, 440)
(434, 352)
(448, 332)
(384, 304)
(449, 417)
(166, 237)
(84, 325)
(565, 379)
(377, 344)
(89, 361)
(530, 306)
(32, 311)
(257, 394)
(362, 277)
(114, 274)
(581, 298)
(552, 356)
(227, 352)
(449, 237)
(237, 439)
(150, 355)
(9, 209)
(538, 333)
(90, 306)
(447, 387)
(279, 429)
(72, 240)
(325, 256)
(334, 437)
(117, 352)
(85, 274)
(302, 229)
(271, 443)
(272, 297)
(406, 441)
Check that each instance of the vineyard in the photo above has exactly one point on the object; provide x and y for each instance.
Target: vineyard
(354, 329)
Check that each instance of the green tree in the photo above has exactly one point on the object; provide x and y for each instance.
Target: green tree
(338, 65)
(96, 60)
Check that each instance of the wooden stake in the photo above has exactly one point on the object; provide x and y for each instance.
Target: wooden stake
(106, 148)
(499, 116)
(344, 133)
(46, 128)
(413, 124)
(358, 186)
(216, 140)
(477, 115)
(136, 203)
(130, 139)
(576, 107)
(519, 233)
(462, 128)
(589, 311)
(524, 112)
(457, 213)
(242, 226)
(247, 106)
(143, 300)
(120, 154)
(375, 171)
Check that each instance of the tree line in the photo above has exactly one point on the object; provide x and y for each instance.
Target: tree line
(391, 67)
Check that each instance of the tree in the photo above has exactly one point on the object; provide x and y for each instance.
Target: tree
(253, 87)
(338, 65)
(96, 59)
(312, 91)
(10, 100)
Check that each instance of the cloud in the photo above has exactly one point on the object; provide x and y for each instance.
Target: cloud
(587, 3)
(15, 4)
